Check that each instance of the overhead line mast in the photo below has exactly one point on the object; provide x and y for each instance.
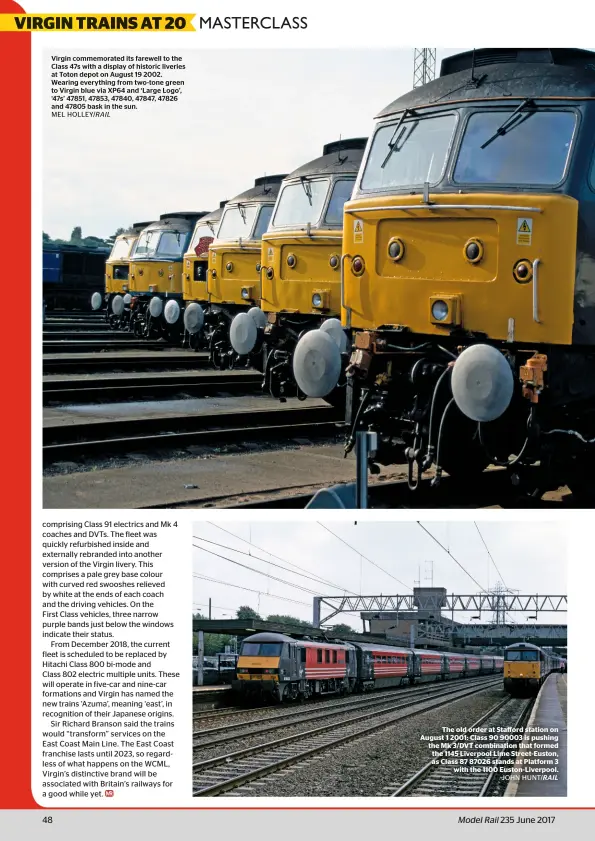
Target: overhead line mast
(424, 65)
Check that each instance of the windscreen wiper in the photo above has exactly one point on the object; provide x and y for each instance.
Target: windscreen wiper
(509, 123)
(242, 210)
(307, 188)
(397, 133)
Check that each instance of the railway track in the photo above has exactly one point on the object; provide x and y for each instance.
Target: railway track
(116, 389)
(87, 333)
(209, 737)
(165, 359)
(442, 780)
(219, 774)
(95, 345)
(79, 441)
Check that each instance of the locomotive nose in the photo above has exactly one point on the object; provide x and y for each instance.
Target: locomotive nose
(194, 318)
(482, 383)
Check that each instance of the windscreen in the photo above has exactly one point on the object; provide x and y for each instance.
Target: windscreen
(532, 149)
(237, 222)
(202, 237)
(262, 649)
(409, 153)
(264, 217)
(521, 655)
(172, 244)
(341, 193)
(147, 244)
(301, 203)
(121, 249)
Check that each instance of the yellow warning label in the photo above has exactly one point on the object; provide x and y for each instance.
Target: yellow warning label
(270, 255)
(524, 231)
(358, 230)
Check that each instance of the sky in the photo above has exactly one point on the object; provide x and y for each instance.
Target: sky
(243, 114)
(527, 560)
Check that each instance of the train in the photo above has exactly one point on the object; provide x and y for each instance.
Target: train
(469, 278)
(117, 267)
(450, 305)
(284, 668)
(526, 666)
(71, 274)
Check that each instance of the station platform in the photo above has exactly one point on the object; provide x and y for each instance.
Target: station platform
(211, 697)
(549, 713)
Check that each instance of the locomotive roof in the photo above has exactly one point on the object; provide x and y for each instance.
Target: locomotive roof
(179, 222)
(523, 645)
(214, 215)
(504, 73)
(341, 156)
(265, 189)
(266, 636)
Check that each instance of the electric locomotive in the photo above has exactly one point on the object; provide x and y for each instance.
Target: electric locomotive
(285, 668)
(116, 275)
(233, 278)
(469, 273)
(301, 259)
(194, 279)
(526, 667)
(156, 273)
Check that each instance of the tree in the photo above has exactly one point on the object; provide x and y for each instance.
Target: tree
(214, 643)
(247, 612)
(46, 237)
(284, 619)
(77, 234)
(338, 630)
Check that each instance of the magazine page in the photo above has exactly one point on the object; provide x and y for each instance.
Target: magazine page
(299, 417)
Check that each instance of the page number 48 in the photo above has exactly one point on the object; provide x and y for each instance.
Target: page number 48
(47, 819)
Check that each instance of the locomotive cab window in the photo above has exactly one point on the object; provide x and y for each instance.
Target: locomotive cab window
(202, 238)
(409, 152)
(171, 244)
(262, 649)
(521, 655)
(147, 244)
(530, 147)
(237, 222)
(301, 203)
(302, 655)
(341, 193)
(121, 249)
(264, 217)
(319, 655)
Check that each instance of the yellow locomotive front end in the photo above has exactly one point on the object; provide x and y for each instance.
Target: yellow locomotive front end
(525, 668)
(195, 310)
(233, 278)
(261, 665)
(155, 276)
(467, 278)
(301, 260)
(117, 277)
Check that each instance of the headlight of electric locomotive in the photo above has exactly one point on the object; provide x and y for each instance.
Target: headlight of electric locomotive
(245, 329)
(317, 358)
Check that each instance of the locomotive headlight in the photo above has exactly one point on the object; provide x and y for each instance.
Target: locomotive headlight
(473, 250)
(213, 273)
(334, 261)
(439, 310)
(291, 261)
(160, 272)
(316, 299)
(151, 288)
(396, 249)
(258, 268)
(523, 271)
(229, 266)
(245, 293)
(358, 266)
(270, 273)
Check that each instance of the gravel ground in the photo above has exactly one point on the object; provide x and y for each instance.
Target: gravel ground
(192, 452)
(365, 767)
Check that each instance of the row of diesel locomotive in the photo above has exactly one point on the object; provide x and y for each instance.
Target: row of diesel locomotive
(285, 668)
(526, 666)
(468, 275)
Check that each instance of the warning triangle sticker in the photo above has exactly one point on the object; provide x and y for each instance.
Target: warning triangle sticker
(524, 227)
(358, 227)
